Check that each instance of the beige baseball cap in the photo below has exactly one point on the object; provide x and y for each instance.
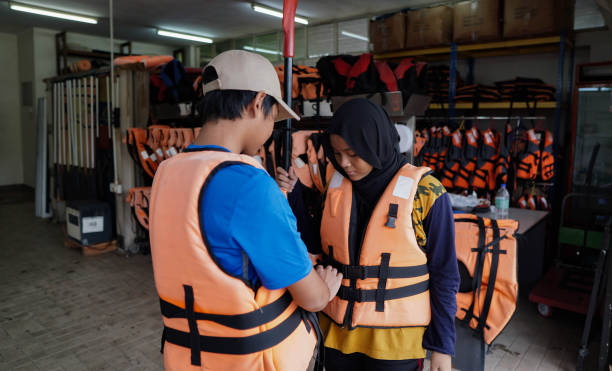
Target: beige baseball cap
(242, 70)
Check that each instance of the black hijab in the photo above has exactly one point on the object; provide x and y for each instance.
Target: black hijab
(367, 129)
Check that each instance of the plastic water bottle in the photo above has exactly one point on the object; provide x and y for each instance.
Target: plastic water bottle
(502, 202)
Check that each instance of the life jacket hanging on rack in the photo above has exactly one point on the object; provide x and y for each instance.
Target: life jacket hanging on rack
(214, 320)
(388, 277)
(487, 258)
(529, 160)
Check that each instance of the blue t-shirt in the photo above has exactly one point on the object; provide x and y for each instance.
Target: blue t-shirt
(243, 209)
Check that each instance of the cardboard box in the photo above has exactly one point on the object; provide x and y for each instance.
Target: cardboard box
(429, 27)
(388, 34)
(525, 18)
(477, 21)
(392, 102)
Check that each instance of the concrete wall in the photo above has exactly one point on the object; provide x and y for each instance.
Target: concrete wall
(11, 163)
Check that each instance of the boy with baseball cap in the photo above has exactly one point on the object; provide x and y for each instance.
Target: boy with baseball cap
(235, 281)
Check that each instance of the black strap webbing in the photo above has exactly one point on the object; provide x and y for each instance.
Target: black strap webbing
(360, 296)
(382, 282)
(194, 334)
(492, 278)
(478, 270)
(361, 272)
(237, 345)
(244, 321)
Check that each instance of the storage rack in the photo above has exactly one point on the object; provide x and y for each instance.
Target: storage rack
(560, 44)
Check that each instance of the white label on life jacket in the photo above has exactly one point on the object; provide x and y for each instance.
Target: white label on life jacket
(173, 151)
(299, 162)
(93, 224)
(457, 136)
(336, 180)
(488, 138)
(160, 153)
(153, 157)
(403, 187)
(315, 169)
(144, 155)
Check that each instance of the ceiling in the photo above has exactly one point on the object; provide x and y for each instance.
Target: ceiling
(136, 20)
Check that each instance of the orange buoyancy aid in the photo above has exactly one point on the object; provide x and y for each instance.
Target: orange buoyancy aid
(386, 283)
(138, 198)
(453, 160)
(484, 173)
(468, 162)
(487, 248)
(137, 144)
(503, 161)
(317, 163)
(547, 161)
(444, 137)
(214, 320)
(431, 148)
(529, 160)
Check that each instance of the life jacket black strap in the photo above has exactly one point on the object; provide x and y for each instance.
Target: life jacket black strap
(382, 282)
(492, 278)
(194, 334)
(361, 272)
(237, 345)
(360, 296)
(244, 321)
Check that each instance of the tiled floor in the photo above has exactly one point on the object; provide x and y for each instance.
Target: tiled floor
(62, 311)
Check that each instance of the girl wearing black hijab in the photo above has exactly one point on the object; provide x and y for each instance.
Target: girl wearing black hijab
(362, 146)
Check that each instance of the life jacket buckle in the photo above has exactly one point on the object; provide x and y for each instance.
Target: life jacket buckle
(392, 216)
(390, 222)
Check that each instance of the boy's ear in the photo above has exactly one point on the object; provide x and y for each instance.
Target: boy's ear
(257, 104)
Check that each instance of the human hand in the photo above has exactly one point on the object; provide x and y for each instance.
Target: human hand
(286, 180)
(440, 361)
(332, 279)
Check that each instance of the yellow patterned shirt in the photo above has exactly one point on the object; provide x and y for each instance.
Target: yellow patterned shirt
(396, 343)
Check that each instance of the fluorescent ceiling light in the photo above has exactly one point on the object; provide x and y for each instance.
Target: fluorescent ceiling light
(185, 36)
(354, 36)
(52, 13)
(275, 13)
(260, 50)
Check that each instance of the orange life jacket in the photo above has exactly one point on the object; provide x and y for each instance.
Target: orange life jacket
(213, 320)
(307, 83)
(468, 163)
(547, 161)
(431, 148)
(484, 173)
(138, 198)
(387, 283)
(529, 159)
(453, 160)
(503, 160)
(149, 62)
(444, 137)
(317, 163)
(137, 144)
(486, 248)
